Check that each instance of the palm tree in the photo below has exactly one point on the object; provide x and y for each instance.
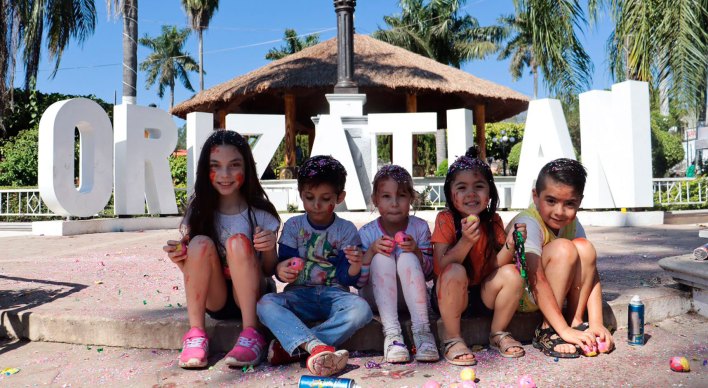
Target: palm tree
(541, 35)
(437, 30)
(60, 20)
(129, 10)
(168, 61)
(200, 13)
(662, 42)
(293, 44)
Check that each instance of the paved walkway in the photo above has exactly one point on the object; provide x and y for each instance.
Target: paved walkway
(119, 289)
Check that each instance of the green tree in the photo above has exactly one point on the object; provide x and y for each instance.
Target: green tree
(436, 29)
(514, 156)
(168, 61)
(664, 43)
(200, 13)
(129, 10)
(293, 44)
(57, 22)
(541, 35)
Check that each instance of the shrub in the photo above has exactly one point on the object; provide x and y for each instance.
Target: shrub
(666, 151)
(178, 168)
(514, 156)
(442, 168)
(18, 159)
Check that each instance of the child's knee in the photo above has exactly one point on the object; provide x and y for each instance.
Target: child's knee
(408, 259)
(239, 245)
(510, 276)
(453, 273)
(562, 252)
(200, 246)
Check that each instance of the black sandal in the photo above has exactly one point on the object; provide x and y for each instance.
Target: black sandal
(546, 340)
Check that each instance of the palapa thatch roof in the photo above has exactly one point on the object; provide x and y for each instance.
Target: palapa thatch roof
(386, 73)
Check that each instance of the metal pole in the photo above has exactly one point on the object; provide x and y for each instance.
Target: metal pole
(345, 47)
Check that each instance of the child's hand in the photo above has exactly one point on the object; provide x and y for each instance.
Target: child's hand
(511, 237)
(408, 244)
(176, 250)
(353, 254)
(263, 240)
(286, 272)
(470, 230)
(603, 335)
(383, 245)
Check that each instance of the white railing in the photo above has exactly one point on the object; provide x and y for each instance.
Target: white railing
(284, 194)
(21, 202)
(680, 191)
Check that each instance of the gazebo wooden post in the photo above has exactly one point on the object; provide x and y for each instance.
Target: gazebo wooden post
(480, 132)
(221, 118)
(290, 131)
(412, 107)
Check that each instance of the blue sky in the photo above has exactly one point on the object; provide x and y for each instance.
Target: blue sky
(240, 34)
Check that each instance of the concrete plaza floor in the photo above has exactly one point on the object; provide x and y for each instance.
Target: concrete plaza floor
(92, 291)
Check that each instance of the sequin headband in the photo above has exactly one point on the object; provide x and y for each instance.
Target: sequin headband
(319, 164)
(465, 162)
(220, 135)
(393, 171)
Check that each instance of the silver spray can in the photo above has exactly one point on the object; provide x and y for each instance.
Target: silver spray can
(635, 321)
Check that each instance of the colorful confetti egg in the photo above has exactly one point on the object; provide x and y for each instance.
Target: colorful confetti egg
(679, 364)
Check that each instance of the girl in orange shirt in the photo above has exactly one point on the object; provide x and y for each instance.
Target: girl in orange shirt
(473, 260)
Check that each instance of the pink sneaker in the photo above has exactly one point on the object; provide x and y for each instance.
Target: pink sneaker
(195, 347)
(249, 349)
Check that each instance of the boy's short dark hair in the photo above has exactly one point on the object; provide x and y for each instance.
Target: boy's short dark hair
(322, 169)
(566, 171)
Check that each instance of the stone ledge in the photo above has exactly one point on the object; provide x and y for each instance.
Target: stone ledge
(158, 330)
(686, 270)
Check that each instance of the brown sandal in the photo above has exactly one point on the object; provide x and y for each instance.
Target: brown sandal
(451, 355)
(508, 344)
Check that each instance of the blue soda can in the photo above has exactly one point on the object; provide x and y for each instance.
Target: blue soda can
(325, 382)
(635, 321)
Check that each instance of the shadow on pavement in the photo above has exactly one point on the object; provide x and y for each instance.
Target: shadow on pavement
(14, 301)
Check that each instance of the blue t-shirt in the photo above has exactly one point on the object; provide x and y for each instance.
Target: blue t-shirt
(322, 248)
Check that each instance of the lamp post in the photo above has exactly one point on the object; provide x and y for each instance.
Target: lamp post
(345, 46)
(502, 142)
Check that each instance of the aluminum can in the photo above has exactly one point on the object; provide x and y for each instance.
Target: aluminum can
(635, 321)
(325, 382)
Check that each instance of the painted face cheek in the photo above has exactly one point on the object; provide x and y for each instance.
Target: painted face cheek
(212, 175)
(330, 207)
(239, 179)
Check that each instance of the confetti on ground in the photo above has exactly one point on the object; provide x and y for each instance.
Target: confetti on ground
(9, 371)
(98, 282)
(371, 364)
(248, 369)
(99, 350)
(145, 301)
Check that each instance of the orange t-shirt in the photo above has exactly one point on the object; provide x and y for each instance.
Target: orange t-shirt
(444, 232)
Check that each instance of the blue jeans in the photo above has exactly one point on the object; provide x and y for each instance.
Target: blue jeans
(343, 314)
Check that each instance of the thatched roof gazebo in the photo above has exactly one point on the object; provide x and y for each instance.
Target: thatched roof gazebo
(393, 79)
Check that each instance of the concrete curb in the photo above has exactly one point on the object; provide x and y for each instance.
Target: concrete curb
(165, 332)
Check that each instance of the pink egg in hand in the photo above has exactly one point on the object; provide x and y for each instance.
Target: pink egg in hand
(679, 364)
(400, 237)
(468, 384)
(602, 346)
(526, 381)
(431, 384)
(297, 263)
(472, 218)
(590, 351)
